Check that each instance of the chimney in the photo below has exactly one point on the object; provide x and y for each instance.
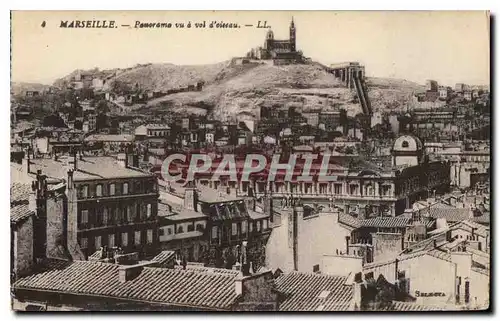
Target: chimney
(268, 208)
(357, 297)
(347, 239)
(32, 199)
(26, 161)
(463, 260)
(75, 161)
(122, 159)
(292, 233)
(396, 270)
(130, 272)
(238, 284)
(191, 197)
(70, 179)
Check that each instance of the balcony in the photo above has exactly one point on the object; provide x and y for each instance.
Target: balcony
(333, 196)
(97, 226)
(181, 236)
(116, 197)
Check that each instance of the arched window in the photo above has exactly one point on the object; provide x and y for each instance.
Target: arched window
(405, 144)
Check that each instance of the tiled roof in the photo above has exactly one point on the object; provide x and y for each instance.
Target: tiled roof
(88, 168)
(210, 195)
(20, 212)
(256, 215)
(176, 212)
(349, 220)
(314, 292)
(109, 138)
(409, 306)
(439, 254)
(19, 202)
(479, 229)
(479, 270)
(19, 192)
(197, 268)
(385, 222)
(450, 214)
(483, 219)
(164, 257)
(159, 285)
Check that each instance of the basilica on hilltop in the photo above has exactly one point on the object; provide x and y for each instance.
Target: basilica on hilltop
(280, 51)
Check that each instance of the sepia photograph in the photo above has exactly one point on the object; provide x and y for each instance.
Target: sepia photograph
(250, 161)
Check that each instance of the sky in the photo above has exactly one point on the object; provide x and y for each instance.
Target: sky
(447, 46)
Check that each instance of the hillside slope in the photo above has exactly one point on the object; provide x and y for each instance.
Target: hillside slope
(232, 90)
(19, 88)
(244, 88)
(391, 94)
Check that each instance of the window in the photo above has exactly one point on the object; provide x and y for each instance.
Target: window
(161, 232)
(98, 242)
(244, 227)
(130, 216)
(84, 217)
(84, 243)
(148, 210)
(150, 236)
(190, 227)
(264, 222)
(98, 190)
(111, 240)
(258, 226)
(111, 189)
(98, 217)
(124, 239)
(169, 231)
(386, 190)
(85, 191)
(234, 229)
(316, 268)
(250, 227)
(125, 188)
(215, 232)
(180, 229)
(405, 144)
(200, 227)
(353, 189)
(337, 189)
(137, 237)
(105, 216)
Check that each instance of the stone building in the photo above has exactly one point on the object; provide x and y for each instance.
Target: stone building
(281, 51)
(362, 187)
(99, 201)
(210, 226)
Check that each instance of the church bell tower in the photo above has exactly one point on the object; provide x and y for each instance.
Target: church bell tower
(292, 36)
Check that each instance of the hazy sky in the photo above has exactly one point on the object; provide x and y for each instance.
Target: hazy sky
(446, 46)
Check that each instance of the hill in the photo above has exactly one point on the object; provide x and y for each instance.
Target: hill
(233, 89)
(19, 88)
(242, 89)
(391, 94)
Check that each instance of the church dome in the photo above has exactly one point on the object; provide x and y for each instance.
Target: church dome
(407, 143)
